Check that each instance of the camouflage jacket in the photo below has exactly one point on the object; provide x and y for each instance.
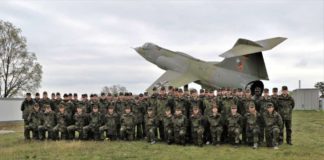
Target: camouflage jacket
(285, 106)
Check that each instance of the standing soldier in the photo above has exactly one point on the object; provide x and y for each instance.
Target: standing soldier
(37, 98)
(127, 121)
(179, 125)
(285, 105)
(275, 98)
(49, 122)
(273, 123)
(45, 101)
(263, 108)
(138, 111)
(150, 125)
(85, 103)
(95, 121)
(110, 124)
(252, 123)
(168, 126)
(62, 121)
(80, 120)
(75, 100)
(160, 108)
(103, 104)
(197, 129)
(216, 125)
(143, 104)
(234, 123)
(57, 102)
(34, 120)
(26, 108)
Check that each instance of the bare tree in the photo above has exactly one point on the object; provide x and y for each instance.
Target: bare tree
(320, 86)
(114, 89)
(19, 69)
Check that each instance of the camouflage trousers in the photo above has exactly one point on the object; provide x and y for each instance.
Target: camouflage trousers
(111, 132)
(287, 125)
(197, 135)
(33, 129)
(168, 134)
(272, 135)
(180, 136)
(127, 133)
(60, 129)
(139, 130)
(150, 132)
(216, 133)
(252, 134)
(90, 130)
(42, 132)
(72, 129)
(234, 134)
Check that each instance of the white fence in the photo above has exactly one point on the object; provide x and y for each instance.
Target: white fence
(10, 109)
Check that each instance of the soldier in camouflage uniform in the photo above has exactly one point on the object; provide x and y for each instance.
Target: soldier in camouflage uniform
(150, 125)
(62, 122)
(275, 98)
(252, 123)
(26, 108)
(45, 101)
(234, 122)
(143, 105)
(37, 98)
(273, 123)
(49, 121)
(263, 108)
(215, 120)
(80, 120)
(139, 111)
(103, 104)
(128, 122)
(168, 126)
(285, 106)
(197, 128)
(110, 124)
(162, 103)
(57, 102)
(34, 120)
(95, 121)
(179, 125)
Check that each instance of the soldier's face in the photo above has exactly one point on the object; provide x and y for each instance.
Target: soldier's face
(95, 110)
(53, 97)
(195, 111)
(61, 110)
(79, 110)
(285, 92)
(48, 110)
(266, 94)
(252, 109)
(44, 95)
(215, 110)
(149, 112)
(28, 97)
(127, 110)
(270, 109)
(274, 93)
(36, 108)
(178, 112)
(168, 112)
(234, 110)
(75, 97)
(110, 110)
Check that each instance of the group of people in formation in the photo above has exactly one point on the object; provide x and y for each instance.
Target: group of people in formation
(169, 115)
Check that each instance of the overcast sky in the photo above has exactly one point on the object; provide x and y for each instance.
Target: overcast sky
(85, 45)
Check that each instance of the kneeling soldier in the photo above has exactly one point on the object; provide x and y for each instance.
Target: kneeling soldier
(150, 125)
(197, 129)
(216, 125)
(234, 123)
(128, 122)
(179, 125)
(273, 123)
(62, 119)
(34, 120)
(49, 122)
(252, 121)
(80, 120)
(110, 124)
(95, 121)
(168, 126)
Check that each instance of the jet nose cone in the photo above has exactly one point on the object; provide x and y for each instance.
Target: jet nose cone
(139, 50)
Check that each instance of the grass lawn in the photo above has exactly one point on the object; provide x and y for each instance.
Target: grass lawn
(308, 140)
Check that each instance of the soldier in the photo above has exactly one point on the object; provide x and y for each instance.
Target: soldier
(263, 104)
(37, 98)
(252, 123)
(62, 121)
(80, 120)
(34, 120)
(57, 102)
(110, 124)
(168, 125)
(45, 101)
(143, 104)
(26, 108)
(285, 106)
(150, 125)
(49, 121)
(234, 123)
(85, 103)
(197, 129)
(53, 97)
(179, 125)
(139, 111)
(127, 121)
(273, 123)
(274, 98)
(103, 104)
(95, 121)
(75, 99)
(160, 109)
(257, 97)
(216, 125)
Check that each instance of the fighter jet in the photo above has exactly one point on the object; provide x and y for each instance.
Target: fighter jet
(243, 66)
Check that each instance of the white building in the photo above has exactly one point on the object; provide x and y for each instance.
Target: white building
(306, 99)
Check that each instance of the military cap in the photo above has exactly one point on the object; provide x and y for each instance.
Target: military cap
(70, 94)
(274, 89)
(127, 107)
(36, 105)
(170, 87)
(126, 94)
(234, 106)
(266, 90)
(109, 94)
(75, 94)
(58, 93)
(251, 104)
(145, 93)
(180, 90)
(79, 106)
(53, 94)
(95, 106)
(162, 88)
(130, 94)
(37, 94)
(121, 93)
(176, 89)
(178, 108)
(201, 91)
(28, 94)
(269, 105)
(44, 93)
(141, 95)
(284, 88)
(102, 94)
(95, 95)
(154, 89)
(111, 107)
(239, 89)
(86, 95)
(150, 109)
(115, 95)
(65, 95)
(83, 95)
(195, 107)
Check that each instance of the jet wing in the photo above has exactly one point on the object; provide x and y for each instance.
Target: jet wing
(245, 47)
(172, 78)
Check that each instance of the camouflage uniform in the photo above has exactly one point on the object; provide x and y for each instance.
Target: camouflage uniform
(110, 126)
(179, 126)
(49, 121)
(128, 122)
(26, 108)
(252, 123)
(150, 125)
(95, 121)
(197, 129)
(216, 127)
(34, 120)
(286, 105)
(234, 123)
(273, 123)
(80, 120)
(62, 121)
(139, 110)
(168, 128)
(160, 109)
